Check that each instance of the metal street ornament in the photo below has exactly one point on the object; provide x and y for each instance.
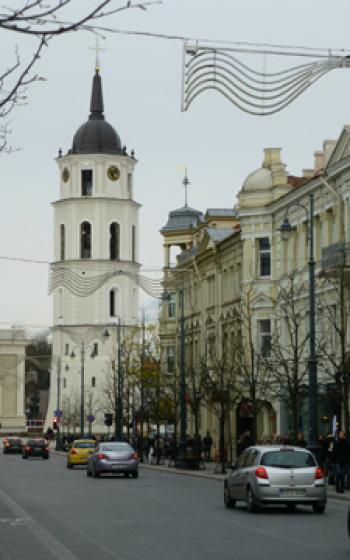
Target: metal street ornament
(256, 93)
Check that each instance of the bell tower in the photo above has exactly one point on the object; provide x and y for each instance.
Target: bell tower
(95, 267)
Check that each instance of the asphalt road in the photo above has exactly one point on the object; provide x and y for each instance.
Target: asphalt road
(48, 512)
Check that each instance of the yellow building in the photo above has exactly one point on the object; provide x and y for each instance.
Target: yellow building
(243, 287)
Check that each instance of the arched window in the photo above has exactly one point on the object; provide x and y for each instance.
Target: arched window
(85, 240)
(62, 242)
(114, 241)
(113, 302)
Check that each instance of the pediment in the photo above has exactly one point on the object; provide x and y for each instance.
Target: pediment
(261, 301)
(342, 147)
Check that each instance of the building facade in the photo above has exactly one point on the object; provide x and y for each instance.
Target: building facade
(95, 268)
(12, 380)
(234, 269)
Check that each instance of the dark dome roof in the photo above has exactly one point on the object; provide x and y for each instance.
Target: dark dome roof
(96, 136)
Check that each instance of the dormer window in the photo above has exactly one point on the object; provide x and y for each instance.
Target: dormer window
(86, 182)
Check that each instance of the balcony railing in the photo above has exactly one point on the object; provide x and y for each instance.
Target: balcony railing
(336, 255)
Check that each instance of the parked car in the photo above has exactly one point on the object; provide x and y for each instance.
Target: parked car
(115, 458)
(276, 475)
(80, 451)
(12, 445)
(37, 447)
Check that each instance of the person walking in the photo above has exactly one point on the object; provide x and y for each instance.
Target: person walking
(207, 444)
(341, 454)
(300, 441)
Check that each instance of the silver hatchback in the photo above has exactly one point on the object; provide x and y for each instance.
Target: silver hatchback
(276, 475)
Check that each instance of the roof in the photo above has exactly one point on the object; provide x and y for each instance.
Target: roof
(182, 218)
(96, 135)
(221, 212)
(219, 234)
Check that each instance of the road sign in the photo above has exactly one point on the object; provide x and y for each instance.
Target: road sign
(58, 413)
(90, 418)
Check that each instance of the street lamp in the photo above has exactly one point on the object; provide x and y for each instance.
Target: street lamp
(285, 230)
(83, 349)
(118, 387)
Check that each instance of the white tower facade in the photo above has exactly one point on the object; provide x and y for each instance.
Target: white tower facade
(95, 269)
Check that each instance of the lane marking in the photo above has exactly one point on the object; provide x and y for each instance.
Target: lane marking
(56, 548)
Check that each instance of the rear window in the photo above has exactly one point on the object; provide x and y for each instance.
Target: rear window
(287, 459)
(37, 443)
(84, 445)
(116, 447)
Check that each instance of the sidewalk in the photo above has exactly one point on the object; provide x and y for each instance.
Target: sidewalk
(209, 473)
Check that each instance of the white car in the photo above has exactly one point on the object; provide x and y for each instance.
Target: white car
(276, 475)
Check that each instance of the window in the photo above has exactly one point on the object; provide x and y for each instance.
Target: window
(170, 359)
(114, 241)
(130, 185)
(62, 242)
(265, 337)
(95, 349)
(93, 381)
(133, 243)
(264, 256)
(172, 306)
(66, 349)
(85, 240)
(113, 296)
(86, 182)
(64, 383)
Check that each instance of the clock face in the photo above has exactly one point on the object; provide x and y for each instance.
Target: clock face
(113, 173)
(65, 175)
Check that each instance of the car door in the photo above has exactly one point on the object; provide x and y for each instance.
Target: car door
(235, 477)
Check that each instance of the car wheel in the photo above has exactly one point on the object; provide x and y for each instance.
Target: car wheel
(229, 502)
(69, 466)
(135, 474)
(291, 507)
(88, 473)
(126, 475)
(24, 457)
(95, 473)
(319, 508)
(253, 506)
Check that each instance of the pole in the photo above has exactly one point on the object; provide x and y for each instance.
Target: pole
(58, 402)
(181, 458)
(119, 411)
(313, 443)
(82, 390)
(142, 384)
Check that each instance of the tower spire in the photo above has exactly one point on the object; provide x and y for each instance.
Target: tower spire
(96, 102)
(186, 183)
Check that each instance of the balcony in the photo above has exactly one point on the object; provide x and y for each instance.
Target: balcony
(336, 257)
(186, 255)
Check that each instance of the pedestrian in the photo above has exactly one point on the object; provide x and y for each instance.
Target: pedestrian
(207, 444)
(341, 454)
(300, 441)
(322, 460)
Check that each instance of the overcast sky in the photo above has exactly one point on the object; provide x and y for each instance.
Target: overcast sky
(141, 84)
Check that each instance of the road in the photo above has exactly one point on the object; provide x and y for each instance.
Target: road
(48, 512)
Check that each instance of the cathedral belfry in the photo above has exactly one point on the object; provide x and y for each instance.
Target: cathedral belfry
(95, 296)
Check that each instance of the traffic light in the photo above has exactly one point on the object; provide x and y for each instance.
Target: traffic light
(108, 419)
(55, 423)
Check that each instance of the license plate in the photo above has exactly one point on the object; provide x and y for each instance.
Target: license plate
(291, 492)
(118, 467)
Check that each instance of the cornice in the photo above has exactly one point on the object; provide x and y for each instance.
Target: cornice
(89, 199)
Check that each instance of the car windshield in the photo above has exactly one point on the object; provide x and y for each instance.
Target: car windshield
(84, 444)
(37, 443)
(287, 459)
(114, 447)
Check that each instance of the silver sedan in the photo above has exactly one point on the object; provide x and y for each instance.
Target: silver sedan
(276, 475)
(114, 458)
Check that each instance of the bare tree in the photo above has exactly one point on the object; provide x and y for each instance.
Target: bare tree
(287, 357)
(42, 21)
(71, 412)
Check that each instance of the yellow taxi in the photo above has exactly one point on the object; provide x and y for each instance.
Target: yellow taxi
(80, 451)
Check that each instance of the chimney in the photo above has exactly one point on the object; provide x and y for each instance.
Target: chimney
(272, 156)
(307, 173)
(328, 147)
(319, 160)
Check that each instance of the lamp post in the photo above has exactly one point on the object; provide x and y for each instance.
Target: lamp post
(181, 456)
(118, 386)
(286, 230)
(82, 382)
